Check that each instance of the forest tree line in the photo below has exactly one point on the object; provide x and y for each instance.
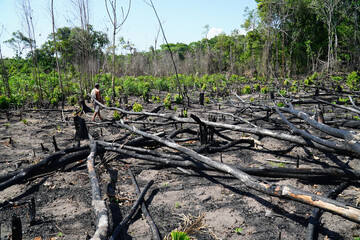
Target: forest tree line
(284, 39)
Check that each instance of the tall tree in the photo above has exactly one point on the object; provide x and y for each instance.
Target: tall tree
(5, 76)
(116, 28)
(56, 54)
(28, 25)
(330, 12)
(83, 11)
(18, 43)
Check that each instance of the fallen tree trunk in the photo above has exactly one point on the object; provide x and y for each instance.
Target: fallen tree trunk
(132, 211)
(49, 164)
(98, 203)
(351, 138)
(327, 143)
(332, 174)
(155, 231)
(315, 216)
(161, 160)
(254, 130)
(281, 191)
(339, 106)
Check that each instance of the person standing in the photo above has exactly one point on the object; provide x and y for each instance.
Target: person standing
(95, 94)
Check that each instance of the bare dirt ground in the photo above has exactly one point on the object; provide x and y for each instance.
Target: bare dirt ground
(232, 211)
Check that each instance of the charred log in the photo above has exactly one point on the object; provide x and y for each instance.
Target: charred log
(281, 191)
(97, 202)
(49, 164)
(315, 216)
(150, 221)
(132, 211)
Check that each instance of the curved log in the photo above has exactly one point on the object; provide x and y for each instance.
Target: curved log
(351, 138)
(326, 143)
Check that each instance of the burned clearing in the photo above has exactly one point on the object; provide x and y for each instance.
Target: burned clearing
(239, 167)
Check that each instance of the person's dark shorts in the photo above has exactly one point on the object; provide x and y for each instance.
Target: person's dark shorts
(96, 107)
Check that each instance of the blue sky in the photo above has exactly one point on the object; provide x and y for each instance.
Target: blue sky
(183, 20)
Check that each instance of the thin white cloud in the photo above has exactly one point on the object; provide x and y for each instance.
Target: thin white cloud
(213, 32)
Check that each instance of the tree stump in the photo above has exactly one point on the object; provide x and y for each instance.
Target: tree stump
(81, 129)
(201, 98)
(16, 228)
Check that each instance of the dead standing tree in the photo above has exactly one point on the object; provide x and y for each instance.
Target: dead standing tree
(116, 29)
(28, 25)
(56, 54)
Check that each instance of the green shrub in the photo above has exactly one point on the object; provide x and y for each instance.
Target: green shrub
(286, 82)
(207, 100)
(130, 86)
(256, 87)
(281, 104)
(293, 89)
(264, 90)
(116, 116)
(72, 100)
(336, 78)
(308, 82)
(155, 98)
(17, 99)
(343, 100)
(313, 77)
(167, 101)
(137, 107)
(36, 97)
(178, 99)
(4, 102)
(118, 90)
(144, 88)
(175, 235)
(283, 92)
(203, 88)
(25, 121)
(246, 89)
(107, 100)
(353, 81)
(161, 84)
(54, 101)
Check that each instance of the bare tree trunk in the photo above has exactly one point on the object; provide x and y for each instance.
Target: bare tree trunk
(56, 55)
(116, 28)
(29, 26)
(171, 54)
(5, 76)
